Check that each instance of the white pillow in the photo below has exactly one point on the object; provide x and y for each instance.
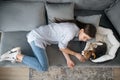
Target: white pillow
(106, 35)
(93, 19)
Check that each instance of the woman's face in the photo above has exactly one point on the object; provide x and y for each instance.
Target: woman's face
(83, 36)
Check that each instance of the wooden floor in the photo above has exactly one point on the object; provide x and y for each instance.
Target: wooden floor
(14, 73)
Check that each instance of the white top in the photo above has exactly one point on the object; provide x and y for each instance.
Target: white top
(54, 33)
(106, 35)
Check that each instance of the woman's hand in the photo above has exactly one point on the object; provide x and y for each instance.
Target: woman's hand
(70, 63)
(80, 57)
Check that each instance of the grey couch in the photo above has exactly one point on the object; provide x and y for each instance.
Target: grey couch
(18, 17)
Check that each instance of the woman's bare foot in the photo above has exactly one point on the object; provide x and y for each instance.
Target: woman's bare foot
(11, 55)
(19, 57)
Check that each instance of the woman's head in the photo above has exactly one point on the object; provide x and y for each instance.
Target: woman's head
(87, 30)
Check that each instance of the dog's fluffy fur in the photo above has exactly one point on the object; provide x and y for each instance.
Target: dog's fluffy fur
(95, 50)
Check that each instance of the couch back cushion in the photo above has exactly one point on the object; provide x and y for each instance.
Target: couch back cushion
(21, 16)
(83, 4)
(113, 13)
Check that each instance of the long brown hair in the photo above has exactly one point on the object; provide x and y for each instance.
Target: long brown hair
(89, 29)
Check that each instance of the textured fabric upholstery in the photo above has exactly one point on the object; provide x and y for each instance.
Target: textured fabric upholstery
(113, 13)
(82, 4)
(93, 19)
(15, 39)
(21, 16)
(59, 10)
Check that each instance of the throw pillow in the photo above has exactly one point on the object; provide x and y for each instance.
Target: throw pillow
(93, 19)
(59, 10)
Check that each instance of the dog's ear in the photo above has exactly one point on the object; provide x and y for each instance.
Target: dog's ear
(93, 55)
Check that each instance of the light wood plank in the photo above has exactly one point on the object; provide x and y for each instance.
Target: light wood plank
(116, 73)
(14, 73)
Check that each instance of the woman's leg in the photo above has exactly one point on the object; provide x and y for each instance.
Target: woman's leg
(39, 62)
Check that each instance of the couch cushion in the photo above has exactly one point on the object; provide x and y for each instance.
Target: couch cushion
(113, 13)
(59, 10)
(93, 19)
(10, 40)
(17, 16)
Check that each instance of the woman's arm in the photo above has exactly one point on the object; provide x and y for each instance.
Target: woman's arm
(113, 41)
(77, 55)
(70, 63)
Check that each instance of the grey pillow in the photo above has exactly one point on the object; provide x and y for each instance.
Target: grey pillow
(59, 10)
(21, 16)
(15, 39)
(113, 13)
(93, 19)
